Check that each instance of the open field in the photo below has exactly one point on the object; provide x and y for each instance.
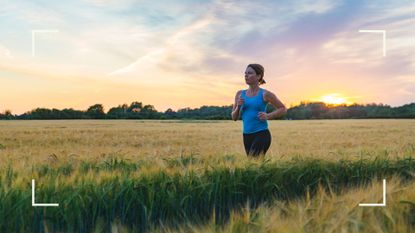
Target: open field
(194, 176)
(27, 143)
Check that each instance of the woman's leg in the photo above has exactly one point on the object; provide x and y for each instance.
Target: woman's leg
(248, 140)
(260, 143)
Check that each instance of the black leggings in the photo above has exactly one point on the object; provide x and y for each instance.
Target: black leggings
(257, 143)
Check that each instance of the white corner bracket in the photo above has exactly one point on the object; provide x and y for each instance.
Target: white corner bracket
(384, 198)
(40, 204)
(384, 38)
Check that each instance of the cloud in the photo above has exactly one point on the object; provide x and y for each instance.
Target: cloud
(204, 46)
(111, 3)
(364, 50)
(5, 53)
(408, 79)
(29, 13)
(212, 44)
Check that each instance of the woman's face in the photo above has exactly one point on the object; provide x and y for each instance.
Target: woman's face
(251, 77)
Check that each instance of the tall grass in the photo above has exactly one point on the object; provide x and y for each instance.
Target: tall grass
(324, 212)
(116, 191)
(144, 174)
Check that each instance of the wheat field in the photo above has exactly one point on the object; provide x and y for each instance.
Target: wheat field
(36, 142)
(77, 162)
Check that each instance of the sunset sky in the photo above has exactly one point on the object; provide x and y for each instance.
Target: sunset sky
(187, 53)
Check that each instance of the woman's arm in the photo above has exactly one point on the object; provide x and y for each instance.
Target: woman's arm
(274, 101)
(237, 106)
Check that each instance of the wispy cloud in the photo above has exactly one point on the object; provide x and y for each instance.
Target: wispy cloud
(5, 53)
(307, 47)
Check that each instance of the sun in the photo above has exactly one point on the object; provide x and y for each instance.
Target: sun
(334, 99)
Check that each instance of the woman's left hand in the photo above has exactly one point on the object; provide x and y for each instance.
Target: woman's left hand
(263, 116)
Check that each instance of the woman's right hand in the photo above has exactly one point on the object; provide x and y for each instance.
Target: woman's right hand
(240, 102)
(237, 106)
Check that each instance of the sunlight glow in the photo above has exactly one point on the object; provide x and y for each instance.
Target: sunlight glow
(334, 99)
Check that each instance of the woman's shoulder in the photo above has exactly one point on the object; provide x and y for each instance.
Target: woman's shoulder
(239, 92)
(266, 94)
(265, 91)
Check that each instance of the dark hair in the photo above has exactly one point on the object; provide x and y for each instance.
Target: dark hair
(258, 70)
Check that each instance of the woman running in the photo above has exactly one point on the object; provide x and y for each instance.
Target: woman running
(252, 104)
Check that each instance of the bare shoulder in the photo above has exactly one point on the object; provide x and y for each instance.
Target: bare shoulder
(267, 95)
(271, 98)
(266, 92)
(238, 93)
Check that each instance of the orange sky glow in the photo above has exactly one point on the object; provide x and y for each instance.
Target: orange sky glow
(191, 53)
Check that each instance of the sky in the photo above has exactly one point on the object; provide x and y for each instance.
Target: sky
(183, 53)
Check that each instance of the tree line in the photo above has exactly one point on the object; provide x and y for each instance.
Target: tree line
(137, 110)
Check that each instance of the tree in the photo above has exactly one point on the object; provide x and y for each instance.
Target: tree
(170, 114)
(405, 111)
(149, 112)
(133, 111)
(7, 115)
(135, 107)
(96, 111)
(318, 109)
(40, 113)
(119, 112)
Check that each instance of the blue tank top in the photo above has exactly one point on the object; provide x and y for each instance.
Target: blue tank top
(250, 109)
